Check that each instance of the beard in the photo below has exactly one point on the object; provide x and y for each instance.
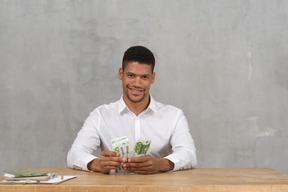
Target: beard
(138, 99)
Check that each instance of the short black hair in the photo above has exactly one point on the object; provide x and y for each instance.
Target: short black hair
(138, 54)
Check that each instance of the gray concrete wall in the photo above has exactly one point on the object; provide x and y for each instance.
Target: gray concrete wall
(223, 62)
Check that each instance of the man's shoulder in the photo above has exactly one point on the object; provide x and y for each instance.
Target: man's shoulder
(167, 107)
(113, 106)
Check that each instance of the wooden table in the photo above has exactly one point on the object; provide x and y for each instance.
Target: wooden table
(199, 179)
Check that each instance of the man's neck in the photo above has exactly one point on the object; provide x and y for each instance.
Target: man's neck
(139, 107)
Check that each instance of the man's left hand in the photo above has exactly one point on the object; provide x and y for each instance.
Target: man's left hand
(147, 165)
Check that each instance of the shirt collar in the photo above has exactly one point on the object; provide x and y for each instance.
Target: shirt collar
(122, 105)
(152, 105)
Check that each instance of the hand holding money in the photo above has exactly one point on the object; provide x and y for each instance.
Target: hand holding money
(137, 160)
(109, 160)
(147, 165)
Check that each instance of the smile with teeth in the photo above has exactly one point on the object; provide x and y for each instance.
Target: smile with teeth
(135, 90)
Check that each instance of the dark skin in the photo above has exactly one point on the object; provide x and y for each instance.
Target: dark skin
(136, 81)
(148, 165)
(110, 160)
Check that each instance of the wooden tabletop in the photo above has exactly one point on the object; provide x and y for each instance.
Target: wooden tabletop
(200, 179)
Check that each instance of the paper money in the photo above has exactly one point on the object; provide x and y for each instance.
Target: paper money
(131, 150)
(119, 145)
(126, 149)
(141, 147)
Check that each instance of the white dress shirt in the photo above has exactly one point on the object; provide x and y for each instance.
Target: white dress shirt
(165, 125)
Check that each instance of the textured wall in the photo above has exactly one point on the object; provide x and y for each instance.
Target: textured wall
(223, 62)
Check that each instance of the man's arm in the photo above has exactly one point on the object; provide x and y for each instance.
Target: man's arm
(183, 147)
(182, 157)
(183, 154)
(80, 156)
(86, 143)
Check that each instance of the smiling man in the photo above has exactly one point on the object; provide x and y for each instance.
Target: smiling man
(136, 115)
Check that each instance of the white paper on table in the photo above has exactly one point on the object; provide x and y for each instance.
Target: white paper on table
(58, 179)
(51, 181)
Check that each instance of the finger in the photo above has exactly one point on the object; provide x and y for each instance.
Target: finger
(109, 154)
(138, 165)
(112, 161)
(116, 159)
(132, 169)
(106, 166)
(109, 167)
(140, 159)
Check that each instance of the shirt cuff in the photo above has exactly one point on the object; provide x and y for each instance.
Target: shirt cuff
(174, 160)
(82, 164)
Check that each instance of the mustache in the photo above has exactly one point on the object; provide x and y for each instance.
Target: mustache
(135, 87)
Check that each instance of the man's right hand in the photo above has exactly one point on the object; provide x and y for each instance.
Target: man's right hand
(108, 160)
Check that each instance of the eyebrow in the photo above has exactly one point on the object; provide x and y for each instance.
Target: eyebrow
(138, 75)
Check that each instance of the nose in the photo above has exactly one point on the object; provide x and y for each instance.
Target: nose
(137, 81)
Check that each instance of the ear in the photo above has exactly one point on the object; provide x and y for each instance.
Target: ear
(153, 77)
(120, 74)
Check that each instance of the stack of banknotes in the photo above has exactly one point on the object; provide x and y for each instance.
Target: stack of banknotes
(128, 149)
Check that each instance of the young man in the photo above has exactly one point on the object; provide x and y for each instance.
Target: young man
(136, 115)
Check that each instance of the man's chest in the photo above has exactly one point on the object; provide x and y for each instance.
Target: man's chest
(136, 127)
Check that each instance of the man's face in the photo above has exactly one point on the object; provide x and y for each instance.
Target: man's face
(136, 80)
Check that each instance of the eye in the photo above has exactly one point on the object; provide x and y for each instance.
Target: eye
(130, 75)
(145, 77)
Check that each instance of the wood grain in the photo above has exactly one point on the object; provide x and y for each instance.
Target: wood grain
(201, 179)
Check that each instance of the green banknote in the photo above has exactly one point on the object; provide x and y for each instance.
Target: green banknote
(120, 145)
(125, 148)
(141, 147)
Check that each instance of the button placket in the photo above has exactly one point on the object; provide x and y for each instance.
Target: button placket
(137, 128)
